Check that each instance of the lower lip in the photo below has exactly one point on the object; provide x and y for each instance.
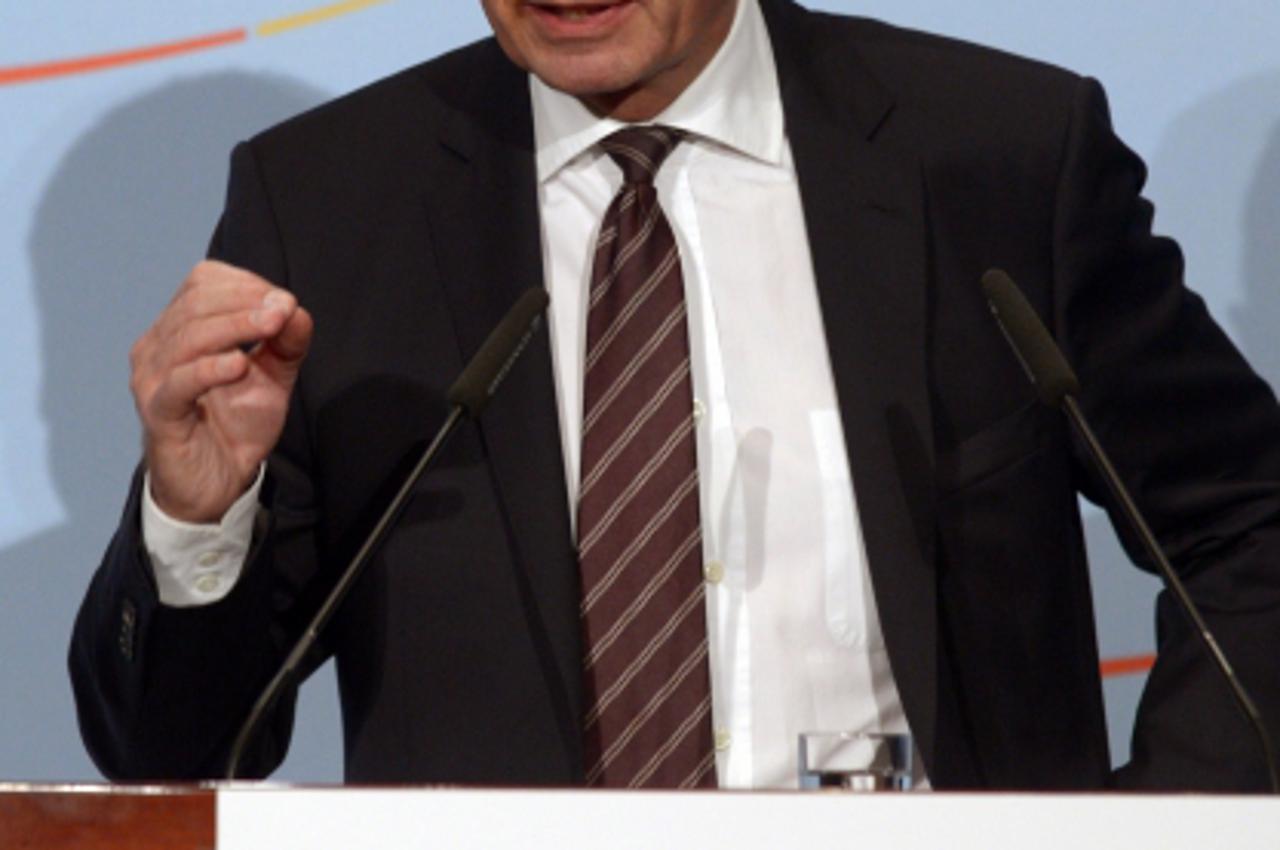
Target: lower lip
(592, 25)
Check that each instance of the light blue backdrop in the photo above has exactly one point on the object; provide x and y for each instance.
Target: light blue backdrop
(110, 182)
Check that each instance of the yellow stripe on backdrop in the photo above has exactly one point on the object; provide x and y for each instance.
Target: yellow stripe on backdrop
(312, 16)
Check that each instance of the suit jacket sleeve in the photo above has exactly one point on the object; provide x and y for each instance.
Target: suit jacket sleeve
(162, 691)
(1196, 435)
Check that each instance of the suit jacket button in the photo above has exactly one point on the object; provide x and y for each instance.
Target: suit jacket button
(128, 629)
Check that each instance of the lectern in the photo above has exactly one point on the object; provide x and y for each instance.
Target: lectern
(256, 816)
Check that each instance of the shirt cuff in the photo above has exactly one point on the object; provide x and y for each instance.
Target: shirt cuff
(198, 563)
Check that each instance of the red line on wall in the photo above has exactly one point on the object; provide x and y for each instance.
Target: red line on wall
(102, 61)
(1127, 665)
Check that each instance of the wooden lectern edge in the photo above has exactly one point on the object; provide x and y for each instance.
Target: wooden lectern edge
(52, 816)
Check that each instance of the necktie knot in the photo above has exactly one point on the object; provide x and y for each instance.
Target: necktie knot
(639, 151)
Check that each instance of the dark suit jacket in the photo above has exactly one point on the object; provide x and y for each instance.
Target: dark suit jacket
(405, 218)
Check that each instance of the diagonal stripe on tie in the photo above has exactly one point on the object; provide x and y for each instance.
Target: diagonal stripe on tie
(700, 772)
(700, 715)
(635, 665)
(609, 571)
(624, 440)
(635, 487)
(617, 749)
(633, 306)
(637, 605)
(617, 258)
(638, 359)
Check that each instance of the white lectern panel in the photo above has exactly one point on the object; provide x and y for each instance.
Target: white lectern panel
(354, 819)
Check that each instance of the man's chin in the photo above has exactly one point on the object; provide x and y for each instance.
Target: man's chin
(586, 78)
(605, 88)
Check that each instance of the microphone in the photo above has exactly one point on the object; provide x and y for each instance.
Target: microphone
(1043, 362)
(469, 396)
(1057, 386)
(506, 342)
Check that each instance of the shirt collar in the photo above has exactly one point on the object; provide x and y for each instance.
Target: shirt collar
(734, 102)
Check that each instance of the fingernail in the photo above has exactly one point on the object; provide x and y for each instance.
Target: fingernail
(275, 303)
(277, 300)
(227, 364)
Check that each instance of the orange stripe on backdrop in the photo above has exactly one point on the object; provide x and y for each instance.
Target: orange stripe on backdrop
(103, 61)
(1127, 665)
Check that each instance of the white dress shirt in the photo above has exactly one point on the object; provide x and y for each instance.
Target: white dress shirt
(795, 640)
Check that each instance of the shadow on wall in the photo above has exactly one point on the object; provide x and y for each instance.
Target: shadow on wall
(1216, 178)
(125, 215)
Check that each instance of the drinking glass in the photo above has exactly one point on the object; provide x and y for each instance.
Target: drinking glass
(855, 761)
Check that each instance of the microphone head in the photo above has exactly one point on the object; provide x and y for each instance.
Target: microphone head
(490, 364)
(1039, 354)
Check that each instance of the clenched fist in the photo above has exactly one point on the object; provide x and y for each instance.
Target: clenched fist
(211, 380)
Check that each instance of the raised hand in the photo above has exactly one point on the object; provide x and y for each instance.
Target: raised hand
(211, 380)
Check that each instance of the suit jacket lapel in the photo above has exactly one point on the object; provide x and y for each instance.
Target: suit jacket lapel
(483, 213)
(862, 193)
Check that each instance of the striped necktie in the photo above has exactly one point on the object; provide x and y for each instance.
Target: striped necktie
(648, 692)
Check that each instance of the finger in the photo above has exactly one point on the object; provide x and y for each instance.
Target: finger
(215, 298)
(221, 296)
(175, 397)
(282, 354)
(214, 275)
(202, 338)
(214, 288)
(177, 340)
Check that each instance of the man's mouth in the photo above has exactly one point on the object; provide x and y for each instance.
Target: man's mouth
(575, 12)
(578, 14)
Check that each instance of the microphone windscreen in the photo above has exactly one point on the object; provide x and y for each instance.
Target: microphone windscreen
(477, 383)
(1039, 354)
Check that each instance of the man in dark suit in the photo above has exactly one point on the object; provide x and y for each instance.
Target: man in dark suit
(406, 218)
